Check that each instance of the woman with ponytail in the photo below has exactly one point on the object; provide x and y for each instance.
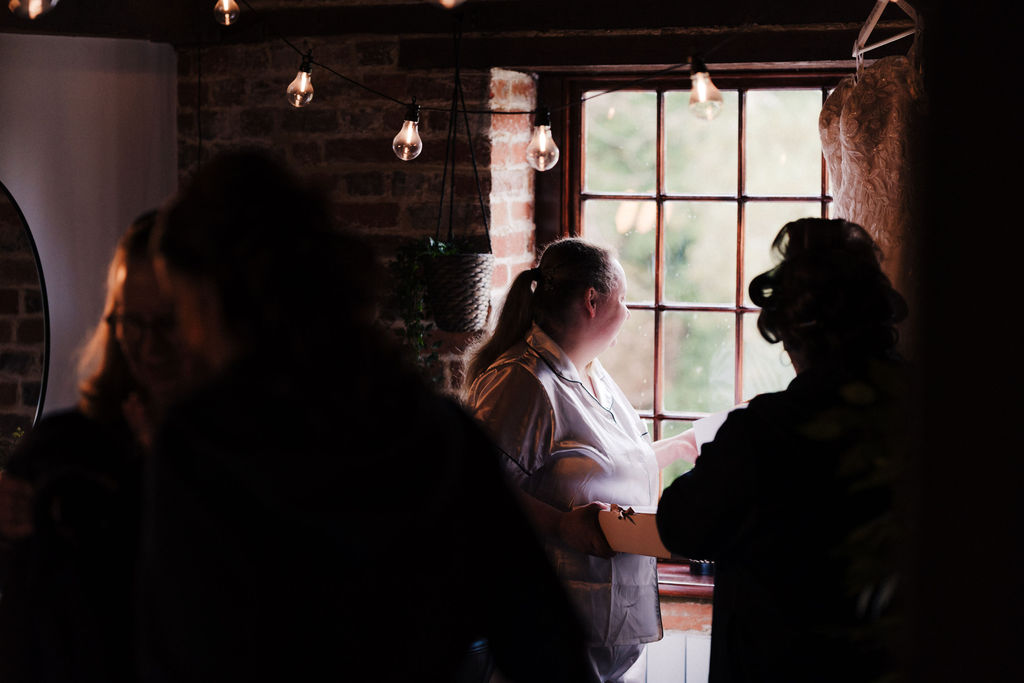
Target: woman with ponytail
(571, 440)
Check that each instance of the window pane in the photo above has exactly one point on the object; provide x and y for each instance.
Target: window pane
(630, 361)
(621, 142)
(628, 229)
(699, 361)
(762, 224)
(700, 252)
(766, 367)
(783, 148)
(700, 155)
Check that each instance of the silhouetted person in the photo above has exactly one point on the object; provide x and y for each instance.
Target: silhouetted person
(70, 495)
(793, 497)
(314, 512)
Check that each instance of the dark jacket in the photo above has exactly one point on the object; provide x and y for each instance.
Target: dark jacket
(792, 500)
(67, 606)
(339, 527)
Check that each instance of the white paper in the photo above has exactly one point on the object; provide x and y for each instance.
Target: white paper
(704, 429)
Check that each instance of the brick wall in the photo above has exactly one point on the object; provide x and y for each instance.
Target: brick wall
(342, 140)
(21, 328)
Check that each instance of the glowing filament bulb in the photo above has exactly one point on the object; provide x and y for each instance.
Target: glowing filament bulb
(30, 9)
(300, 91)
(407, 144)
(705, 99)
(542, 152)
(226, 12)
(449, 4)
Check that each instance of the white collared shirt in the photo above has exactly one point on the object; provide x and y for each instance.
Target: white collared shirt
(568, 442)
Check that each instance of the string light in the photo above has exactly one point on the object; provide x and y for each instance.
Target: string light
(408, 144)
(300, 90)
(30, 9)
(705, 99)
(226, 12)
(542, 152)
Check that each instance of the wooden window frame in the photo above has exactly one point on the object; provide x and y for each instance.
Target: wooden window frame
(559, 209)
(560, 197)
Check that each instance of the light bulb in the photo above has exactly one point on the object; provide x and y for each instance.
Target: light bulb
(300, 91)
(30, 9)
(407, 144)
(449, 4)
(542, 152)
(226, 12)
(705, 99)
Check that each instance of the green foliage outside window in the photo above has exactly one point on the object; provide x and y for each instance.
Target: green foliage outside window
(700, 217)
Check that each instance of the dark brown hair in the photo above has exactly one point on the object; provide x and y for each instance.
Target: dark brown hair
(108, 381)
(828, 300)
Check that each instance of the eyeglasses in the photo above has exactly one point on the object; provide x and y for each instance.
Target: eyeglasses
(130, 328)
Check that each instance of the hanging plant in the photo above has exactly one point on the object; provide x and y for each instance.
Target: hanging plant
(458, 277)
(409, 283)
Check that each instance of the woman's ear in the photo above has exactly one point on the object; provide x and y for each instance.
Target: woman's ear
(590, 301)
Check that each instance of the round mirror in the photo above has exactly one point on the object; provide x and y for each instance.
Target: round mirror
(24, 327)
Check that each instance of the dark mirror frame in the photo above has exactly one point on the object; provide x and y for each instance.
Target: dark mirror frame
(44, 306)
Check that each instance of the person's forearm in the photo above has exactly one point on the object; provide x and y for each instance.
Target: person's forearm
(679, 447)
(545, 518)
(578, 528)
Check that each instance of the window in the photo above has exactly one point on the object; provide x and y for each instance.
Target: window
(691, 207)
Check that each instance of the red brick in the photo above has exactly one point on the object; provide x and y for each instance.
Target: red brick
(514, 124)
(227, 92)
(30, 331)
(305, 153)
(522, 88)
(6, 331)
(18, 271)
(512, 183)
(522, 211)
(502, 276)
(354, 149)
(310, 119)
(9, 301)
(509, 154)
(258, 122)
(365, 184)
(8, 394)
(499, 91)
(512, 244)
(366, 120)
(376, 52)
(371, 214)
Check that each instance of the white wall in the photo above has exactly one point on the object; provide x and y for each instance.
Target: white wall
(87, 142)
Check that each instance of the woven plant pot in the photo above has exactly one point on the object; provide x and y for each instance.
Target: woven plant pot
(459, 290)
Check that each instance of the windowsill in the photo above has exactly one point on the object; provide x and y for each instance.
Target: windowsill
(675, 581)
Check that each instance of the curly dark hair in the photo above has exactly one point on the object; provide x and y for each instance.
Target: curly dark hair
(828, 300)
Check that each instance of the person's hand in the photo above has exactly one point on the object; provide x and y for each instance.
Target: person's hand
(15, 508)
(580, 529)
(679, 447)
